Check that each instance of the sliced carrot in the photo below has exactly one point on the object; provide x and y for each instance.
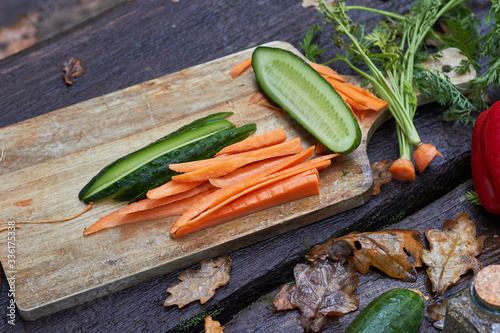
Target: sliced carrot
(199, 164)
(320, 148)
(255, 98)
(240, 68)
(160, 201)
(293, 188)
(170, 188)
(118, 218)
(375, 104)
(261, 168)
(423, 155)
(220, 169)
(327, 71)
(403, 170)
(229, 194)
(254, 142)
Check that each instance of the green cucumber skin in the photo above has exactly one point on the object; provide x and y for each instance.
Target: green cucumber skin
(134, 186)
(395, 311)
(260, 58)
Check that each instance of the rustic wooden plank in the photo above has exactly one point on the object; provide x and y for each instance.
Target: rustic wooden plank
(375, 282)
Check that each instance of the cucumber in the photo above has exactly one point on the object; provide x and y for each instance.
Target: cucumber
(302, 92)
(398, 310)
(131, 176)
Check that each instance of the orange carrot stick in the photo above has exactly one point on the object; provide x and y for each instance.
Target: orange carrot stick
(240, 68)
(160, 201)
(170, 188)
(229, 194)
(423, 155)
(327, 71)
(255, 142)
(287, 190)
(403, 170)
(117, 218)
(217, 170)
(200, 164)
(261, 168)
(375, 104)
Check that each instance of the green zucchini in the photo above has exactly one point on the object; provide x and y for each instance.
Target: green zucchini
(302, 92)
(395, 311)
(131, 176)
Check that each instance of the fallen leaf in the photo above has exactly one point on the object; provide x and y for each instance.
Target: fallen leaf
(437, 313)
(72, 69)
(322, 288)
(395, 252)
(381, 174)
(452, 253)
(200, 284)
(212, 326)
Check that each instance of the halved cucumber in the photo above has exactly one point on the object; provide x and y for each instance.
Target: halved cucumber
(301, 91)
(132, 175)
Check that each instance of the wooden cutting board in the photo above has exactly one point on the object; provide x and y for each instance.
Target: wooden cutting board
(48, 160)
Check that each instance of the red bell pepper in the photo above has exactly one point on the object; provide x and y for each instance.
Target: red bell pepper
(485, 154)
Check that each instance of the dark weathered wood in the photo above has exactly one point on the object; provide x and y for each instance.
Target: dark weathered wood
(141, 40)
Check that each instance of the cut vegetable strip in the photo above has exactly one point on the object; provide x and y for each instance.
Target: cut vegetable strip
(261, 168)
(224, 196)
(217, 170)
(240, 68)
(152, 203)
(171, 188)
(327, 71)
(293, 188)
(255, 142)
(117, 218)
(375, 104)
(199, 164)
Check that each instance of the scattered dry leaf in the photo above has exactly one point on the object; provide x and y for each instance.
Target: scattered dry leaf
(453, 252)
(395, 252)
(322, 288)
(200, 284)
(19, 35)
(212, 326)
(437, 313)
(72, 69)
(381, 174)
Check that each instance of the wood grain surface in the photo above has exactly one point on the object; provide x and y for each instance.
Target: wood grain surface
(173, 36)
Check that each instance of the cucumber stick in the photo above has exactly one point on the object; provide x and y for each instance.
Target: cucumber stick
(302, 92)
(131, 176)
(395, 311)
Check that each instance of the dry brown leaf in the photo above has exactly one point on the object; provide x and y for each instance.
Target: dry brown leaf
(395, 252)
(322, 288)
(452, 253)
(200, 284)
(381, 174)
(213, 326)
(72, 69)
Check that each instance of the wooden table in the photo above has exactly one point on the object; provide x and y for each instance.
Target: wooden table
(141, 40)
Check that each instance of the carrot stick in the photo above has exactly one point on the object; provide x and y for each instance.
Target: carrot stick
(293, 188)
(320, 148)
(160, 201)
(229, 194)
(375, 104)
(423, 155)
(327, 71)
(240, 68)
(254, 142)
(217, 170)
(200, 164)
(170, 188)
(118, 218)
(403, 170)
(261, 168)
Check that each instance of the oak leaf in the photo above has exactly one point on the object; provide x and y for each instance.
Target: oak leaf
(212, 326)
(322, 288)
(452, 253)
(395, 252)
(381, 174)
(72, 69)
(199, 284)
